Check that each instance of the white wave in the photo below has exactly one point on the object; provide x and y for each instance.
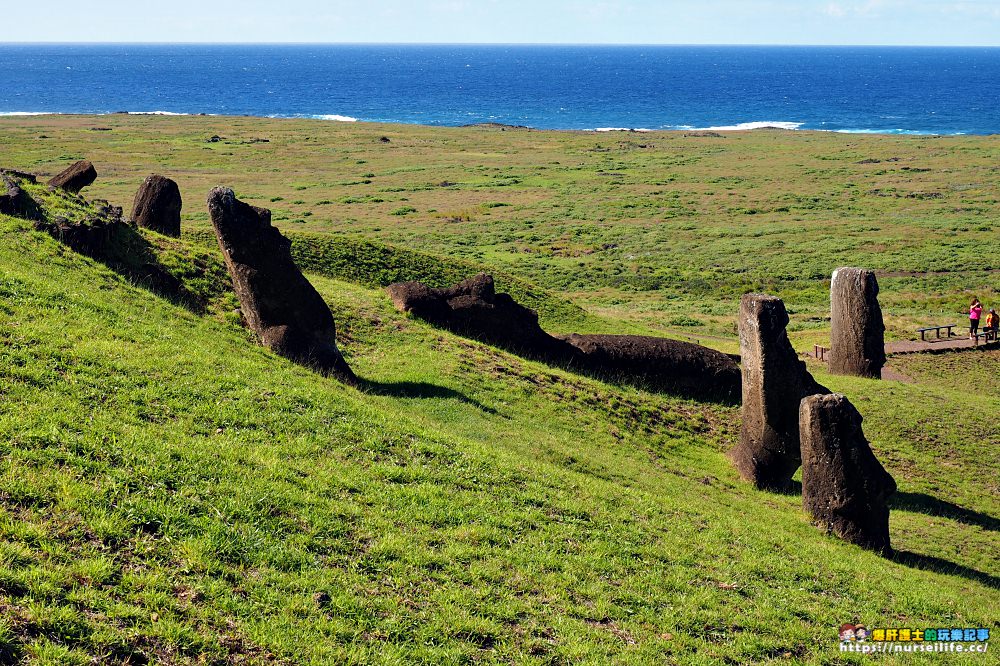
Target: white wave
(759, 124)
(156, 113)
(333, 116)
(895, 131)
(27, 113)
(621, 129)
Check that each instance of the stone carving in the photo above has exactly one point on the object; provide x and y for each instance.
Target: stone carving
(844, 487)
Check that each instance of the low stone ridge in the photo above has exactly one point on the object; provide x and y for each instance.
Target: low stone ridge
(76, 177)
(157, 205)
(670, 365)
(844, 487)
(474, 308)
(277, 301)
(774, 382)
(14, 200)
(857, 332)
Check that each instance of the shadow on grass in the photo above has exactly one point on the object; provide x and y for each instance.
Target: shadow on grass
(418, 390)
(932, 506)
(943, 566)
(104, 237)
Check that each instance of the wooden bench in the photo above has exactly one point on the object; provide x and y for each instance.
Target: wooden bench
(986, 335)
(937, 330)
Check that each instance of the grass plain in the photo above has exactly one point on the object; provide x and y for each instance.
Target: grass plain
(171, 493)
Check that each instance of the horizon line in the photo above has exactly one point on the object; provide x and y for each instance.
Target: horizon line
(612, 44)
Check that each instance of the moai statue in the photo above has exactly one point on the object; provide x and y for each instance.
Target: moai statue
(857, 334)
(277, 301)
(157, 206)
(844, 487)
(774, 382)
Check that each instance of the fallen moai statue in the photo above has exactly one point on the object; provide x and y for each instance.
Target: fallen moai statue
(76, 177)
(857, 332)
(674, 366)
(277, 301)
(157, 206)
(844, 487)
(473, 308)
(774, 382)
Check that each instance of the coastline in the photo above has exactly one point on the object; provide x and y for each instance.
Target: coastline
(791, 126)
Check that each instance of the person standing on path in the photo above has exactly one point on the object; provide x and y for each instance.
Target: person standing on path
(975, 312)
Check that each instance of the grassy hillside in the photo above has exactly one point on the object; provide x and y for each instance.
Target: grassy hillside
(172, 493)
(664, 230)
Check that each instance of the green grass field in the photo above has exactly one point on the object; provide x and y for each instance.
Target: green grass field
(172, 493)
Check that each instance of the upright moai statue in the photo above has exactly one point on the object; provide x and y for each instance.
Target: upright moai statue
(774, 382)
(857, 333)
(157, 205)
(844, 487)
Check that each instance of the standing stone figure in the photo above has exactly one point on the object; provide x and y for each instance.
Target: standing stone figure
(774, 382)
(157, 206)
(278, 303)
(857, 333)
(844, 487)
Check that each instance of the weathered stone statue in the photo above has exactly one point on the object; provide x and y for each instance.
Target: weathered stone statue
(844, 487)
(277, 302)
(774, 382)
(474, 308)
(674, 366)
(76, 177)
(157, 206)
(857, 333)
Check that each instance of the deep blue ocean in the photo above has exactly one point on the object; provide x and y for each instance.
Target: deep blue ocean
(848, 89)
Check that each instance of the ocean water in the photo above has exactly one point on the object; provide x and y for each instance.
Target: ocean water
(844, 89)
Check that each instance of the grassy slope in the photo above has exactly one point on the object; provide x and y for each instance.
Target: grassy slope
(169, 489)
(661, 230)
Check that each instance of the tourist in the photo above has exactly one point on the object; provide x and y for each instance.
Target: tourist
(975, 311)
(992, 323)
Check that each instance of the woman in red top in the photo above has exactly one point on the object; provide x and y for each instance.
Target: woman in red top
(975, 312)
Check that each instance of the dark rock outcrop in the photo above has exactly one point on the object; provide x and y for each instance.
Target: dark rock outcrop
(474, 308)
(92, 236)
(277, 301)
(14, 200)
(76, 177)
(857, 332)
(673, 366)
(157, 206)
(774, 382)
(844, 487)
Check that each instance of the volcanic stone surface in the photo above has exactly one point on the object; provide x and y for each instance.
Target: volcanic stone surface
(14, 200)
(157, 205)
(774, 382)
(277, 302)
(76, 177)
(474, 308)
(857, 332)
(844, 487)
(673, 366)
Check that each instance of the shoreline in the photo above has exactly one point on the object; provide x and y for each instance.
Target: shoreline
(787, 126)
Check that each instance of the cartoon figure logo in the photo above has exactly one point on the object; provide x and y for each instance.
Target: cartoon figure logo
(847, 632)
(861, 632)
